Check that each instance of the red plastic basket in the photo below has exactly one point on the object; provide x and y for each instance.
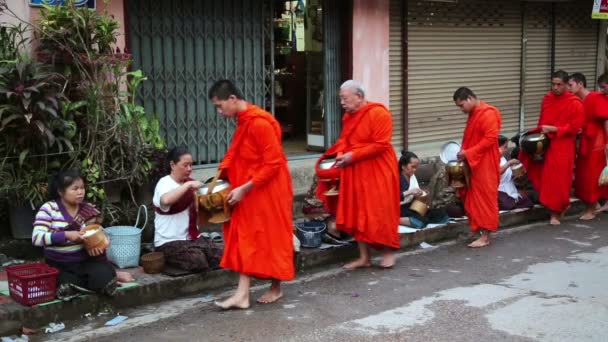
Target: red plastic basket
(31, 284)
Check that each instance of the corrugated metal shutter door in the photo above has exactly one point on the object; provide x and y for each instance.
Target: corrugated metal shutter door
(396, 72)
(538, 59)
(472, 43)
(576, 39)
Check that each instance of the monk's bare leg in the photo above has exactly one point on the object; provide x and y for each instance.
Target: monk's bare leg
(555, 217)
(388, 258)
(589, 213)
(240, 299)
(273, 294)
(364, 259)
(483, 241)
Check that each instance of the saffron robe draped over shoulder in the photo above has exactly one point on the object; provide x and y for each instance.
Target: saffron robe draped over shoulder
(258, 239)
(591, 158)
(368, 204)
(480, 145)
(552, 176)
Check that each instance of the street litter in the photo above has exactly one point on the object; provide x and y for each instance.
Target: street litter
(425, 245)
(208, 298)
(22, 338)
(54, 327)
(116, 320)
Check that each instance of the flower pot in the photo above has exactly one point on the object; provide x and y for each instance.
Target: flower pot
(22, 221)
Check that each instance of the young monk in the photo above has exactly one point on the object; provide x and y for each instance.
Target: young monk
(259, 236)
(593, 148)
(561, 118)
(480, 151)
(368, 201)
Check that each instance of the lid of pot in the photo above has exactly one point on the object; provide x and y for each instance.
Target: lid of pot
(219, 186)
(449, 151)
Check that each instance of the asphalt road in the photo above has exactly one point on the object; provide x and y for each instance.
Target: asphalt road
(534, 283)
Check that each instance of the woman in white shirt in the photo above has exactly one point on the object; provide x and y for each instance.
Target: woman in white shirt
(509, 197)
(176, 232)
(409, 188)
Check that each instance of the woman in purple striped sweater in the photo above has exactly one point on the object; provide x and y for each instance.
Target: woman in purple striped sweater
(57, 229)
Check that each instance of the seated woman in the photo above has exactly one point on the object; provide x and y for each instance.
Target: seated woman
(409, 188)
(176, 233)
(509, 197)
(57, 229)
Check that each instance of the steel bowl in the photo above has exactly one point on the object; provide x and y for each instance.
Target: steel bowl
(535, 144)
(327, 164)
(219, 186)
(449, 151)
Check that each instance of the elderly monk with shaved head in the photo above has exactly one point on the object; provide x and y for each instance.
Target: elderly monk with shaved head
(368, 202)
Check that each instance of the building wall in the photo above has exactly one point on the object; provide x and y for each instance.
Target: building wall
(371, 47)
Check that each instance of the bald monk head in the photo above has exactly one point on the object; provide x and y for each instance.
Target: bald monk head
(227, 98)
(352, 96)
(559, 82)
(465, 99)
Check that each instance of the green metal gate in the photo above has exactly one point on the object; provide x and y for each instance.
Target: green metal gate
(183, 46)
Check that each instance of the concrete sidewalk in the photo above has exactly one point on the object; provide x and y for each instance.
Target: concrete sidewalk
(155, 288)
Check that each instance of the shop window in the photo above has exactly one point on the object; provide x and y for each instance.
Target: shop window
(298, 75)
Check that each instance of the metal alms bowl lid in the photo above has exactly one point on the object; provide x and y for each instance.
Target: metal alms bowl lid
(534, 137)
(454, 163)
(326, 164)
(219, 186)
(449, 151)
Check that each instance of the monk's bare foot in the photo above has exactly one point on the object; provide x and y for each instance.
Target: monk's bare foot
(271, 296)
(472, 236)
(124, 277)
(388, 260)
(602, 209)
(234, 302)
(359, 263)
(587, 215)
(554, 220)
(483, 241)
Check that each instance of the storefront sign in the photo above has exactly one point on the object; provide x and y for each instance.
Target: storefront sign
(79, 3)
(600, 9)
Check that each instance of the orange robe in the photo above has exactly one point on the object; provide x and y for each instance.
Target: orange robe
(552, 177)
(480, 145)
(258, 239)
(368, 205)
(591, 158)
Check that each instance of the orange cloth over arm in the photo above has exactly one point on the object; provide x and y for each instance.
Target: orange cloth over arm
(368, 204)
(258, 239)
(591, 158)
(480, 143)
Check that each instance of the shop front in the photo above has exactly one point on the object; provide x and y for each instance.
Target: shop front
(285, 55)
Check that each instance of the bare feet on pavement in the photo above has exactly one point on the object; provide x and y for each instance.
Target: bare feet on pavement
(359, 263)
(587, 216)
(234, 302)
(388, 260)
(554, 221)
(483, 241)
(271, 296)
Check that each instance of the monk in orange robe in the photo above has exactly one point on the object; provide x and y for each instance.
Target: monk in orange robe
(481, 154)
(258, 239)
(593, 147)
(561, 118)
(368, 203)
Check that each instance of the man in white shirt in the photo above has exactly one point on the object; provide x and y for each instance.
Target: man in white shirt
(509, 197)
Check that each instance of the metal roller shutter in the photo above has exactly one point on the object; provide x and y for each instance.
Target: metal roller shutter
(576, 39)
(396, 72)
(470, 43)
(537, 59)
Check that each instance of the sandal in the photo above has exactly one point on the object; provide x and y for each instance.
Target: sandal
(216, 237)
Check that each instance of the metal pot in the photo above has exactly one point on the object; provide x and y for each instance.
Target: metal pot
(456, 171)
(220, 185)
(327, 164)
(420, 204)
(535, 144)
